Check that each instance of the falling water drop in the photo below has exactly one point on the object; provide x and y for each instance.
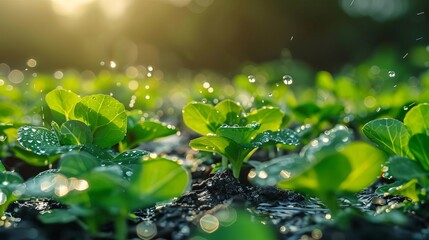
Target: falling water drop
(287, 79)
(392, 74)
(251, 78)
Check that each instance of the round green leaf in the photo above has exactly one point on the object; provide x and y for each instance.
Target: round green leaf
(158, 180)
(202, 118)
(105, 116)
(74, 132)
(230, 110)
(389, 134)
(270, 118)
(62, 103)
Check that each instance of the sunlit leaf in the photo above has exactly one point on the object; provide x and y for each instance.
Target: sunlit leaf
(270, 118)
(239, 134)
(417, 119)
(74, 132)
(106, 118)
(389, 134)
(202, 118)
(145, 131)
(62, 103)
(325, 176)
(407, 189)
(158, 180)
(365, 161)
(230, 110)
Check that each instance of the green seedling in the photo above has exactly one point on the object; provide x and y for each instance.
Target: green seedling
(112, 188)
(98, 120)
(11, 188)
(407, 143)
(328, 167)
(232, 133)
(141, 130)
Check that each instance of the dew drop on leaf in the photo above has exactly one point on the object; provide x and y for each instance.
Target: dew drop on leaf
(391, 74)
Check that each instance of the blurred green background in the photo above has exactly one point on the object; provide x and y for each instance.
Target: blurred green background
(217, 35)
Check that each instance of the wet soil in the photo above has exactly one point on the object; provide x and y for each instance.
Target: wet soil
(291, 215)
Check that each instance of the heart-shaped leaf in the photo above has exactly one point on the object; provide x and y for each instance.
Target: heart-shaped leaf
(105, 116)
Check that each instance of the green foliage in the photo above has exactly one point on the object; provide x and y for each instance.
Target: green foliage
(235, 142)
(11, 189)
(105, 116)
(62, 103)
(390, 135)
(328, 167)
(141, 130)
(93, 120)
(407, 143)
(92, 186)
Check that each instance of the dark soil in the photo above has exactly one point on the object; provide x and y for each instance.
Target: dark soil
(294, 216)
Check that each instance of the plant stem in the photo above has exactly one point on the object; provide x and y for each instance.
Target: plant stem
(224, 162)
(121, 226)
(331, 203)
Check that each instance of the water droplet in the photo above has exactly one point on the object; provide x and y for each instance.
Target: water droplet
(146, 230)
(251, 78)
(209, 223)
(287, 79)
(262, 175)
(3, 197)
(270, 94)
(112, 64)
(391, 74)
(129, 173)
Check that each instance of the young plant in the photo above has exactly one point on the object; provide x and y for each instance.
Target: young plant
(328, 167)
(95, 120)
(408, 145)
(11, 188)
(232, 133)
(141, 130)
(112, 188)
